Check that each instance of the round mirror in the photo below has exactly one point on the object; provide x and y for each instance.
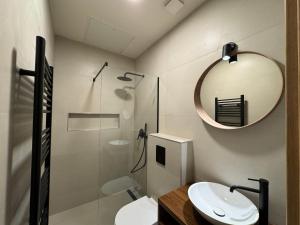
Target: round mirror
(235, 95)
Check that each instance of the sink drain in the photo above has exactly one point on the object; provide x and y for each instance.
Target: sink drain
(219, 212)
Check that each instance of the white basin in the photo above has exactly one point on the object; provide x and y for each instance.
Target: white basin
(219, 206)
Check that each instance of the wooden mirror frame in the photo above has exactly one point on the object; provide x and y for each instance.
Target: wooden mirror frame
(203, 114)
(292, 10)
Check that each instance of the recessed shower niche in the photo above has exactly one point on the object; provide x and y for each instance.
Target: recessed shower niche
(92, 121)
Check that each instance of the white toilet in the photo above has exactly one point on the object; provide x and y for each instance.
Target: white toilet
(169, 166)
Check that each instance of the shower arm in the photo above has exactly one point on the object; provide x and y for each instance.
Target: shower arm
(135, 74)
(104, 65)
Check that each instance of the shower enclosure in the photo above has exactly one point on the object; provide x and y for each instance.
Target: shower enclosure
(108, 142)
(132, 98)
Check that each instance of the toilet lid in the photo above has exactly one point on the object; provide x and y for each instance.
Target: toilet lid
(140, 212)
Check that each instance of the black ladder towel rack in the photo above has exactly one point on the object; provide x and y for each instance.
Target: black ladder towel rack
(41, 138)
(230, 112)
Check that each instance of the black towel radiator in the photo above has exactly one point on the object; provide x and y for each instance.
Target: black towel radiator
(230, 112)
(41, 138)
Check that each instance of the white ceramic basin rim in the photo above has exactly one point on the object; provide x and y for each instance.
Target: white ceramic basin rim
(218, 205)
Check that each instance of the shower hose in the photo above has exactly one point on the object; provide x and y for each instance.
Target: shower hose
(136, 168)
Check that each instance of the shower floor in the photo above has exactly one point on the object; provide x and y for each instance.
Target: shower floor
(98, 212)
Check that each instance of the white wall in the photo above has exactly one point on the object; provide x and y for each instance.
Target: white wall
(82, 161)
(229, 157)
(20, 22)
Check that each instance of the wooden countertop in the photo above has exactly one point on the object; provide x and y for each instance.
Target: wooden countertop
(176, 208)
(178, 205)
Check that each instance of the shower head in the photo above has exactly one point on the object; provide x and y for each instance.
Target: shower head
(125, 78)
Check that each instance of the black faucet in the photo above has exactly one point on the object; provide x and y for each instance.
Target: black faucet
(263, 198)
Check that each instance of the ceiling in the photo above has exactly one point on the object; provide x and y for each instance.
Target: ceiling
(126, 27)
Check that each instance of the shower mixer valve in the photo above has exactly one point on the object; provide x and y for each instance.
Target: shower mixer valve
(142, 133)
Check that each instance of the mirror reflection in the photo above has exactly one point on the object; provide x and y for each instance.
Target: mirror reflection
(239, 94)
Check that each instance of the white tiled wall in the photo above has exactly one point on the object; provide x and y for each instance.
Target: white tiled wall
(20, 22)
(229, 157)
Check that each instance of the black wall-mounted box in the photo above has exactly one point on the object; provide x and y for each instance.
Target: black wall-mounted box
(161, 155)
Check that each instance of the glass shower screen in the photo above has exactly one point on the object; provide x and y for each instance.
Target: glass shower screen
(126, 105)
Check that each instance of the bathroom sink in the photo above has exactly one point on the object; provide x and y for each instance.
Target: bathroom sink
(219, 206)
